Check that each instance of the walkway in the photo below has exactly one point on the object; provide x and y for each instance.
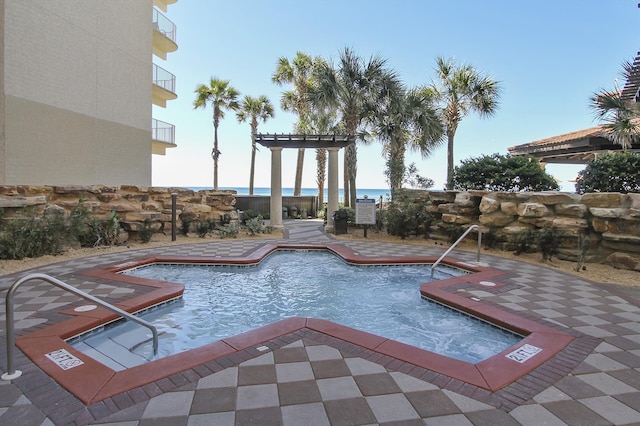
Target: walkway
(307, 378)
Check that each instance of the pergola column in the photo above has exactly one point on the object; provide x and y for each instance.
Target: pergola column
(332, 187)
(276, 187)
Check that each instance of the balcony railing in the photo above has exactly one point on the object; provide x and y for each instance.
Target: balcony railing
(164, 79)
(163, 132)
(162, 24)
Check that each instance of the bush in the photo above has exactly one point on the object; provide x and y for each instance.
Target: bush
(225, 219)
(502, 173)
(146, 232)
(248, 215)
(32, 236)
(548, 240)
(185, 225)
(490, 239)
(397, 222)
(101, 232)
(407, 216)
(202, 228)
(454, 232)
(522, 241)
(619, 172)
(255, 225)
(230, 230)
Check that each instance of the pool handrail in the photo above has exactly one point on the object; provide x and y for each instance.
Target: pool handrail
(469, 229)
(12, 373)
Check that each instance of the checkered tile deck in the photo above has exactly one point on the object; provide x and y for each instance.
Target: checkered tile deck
(307, 379)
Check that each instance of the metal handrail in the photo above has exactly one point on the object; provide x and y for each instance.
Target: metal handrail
(471, 228)
(12, 373)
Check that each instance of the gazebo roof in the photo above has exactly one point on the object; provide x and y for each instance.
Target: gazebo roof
(303, 141)
(570, 148)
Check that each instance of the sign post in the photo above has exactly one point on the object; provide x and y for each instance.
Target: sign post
(365, 212)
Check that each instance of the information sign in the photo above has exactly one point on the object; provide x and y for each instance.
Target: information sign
(63, 359)
(365, 211)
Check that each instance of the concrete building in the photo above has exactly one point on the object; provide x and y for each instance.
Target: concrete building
(76, 81)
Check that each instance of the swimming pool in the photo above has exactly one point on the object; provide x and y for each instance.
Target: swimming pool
(221, 301)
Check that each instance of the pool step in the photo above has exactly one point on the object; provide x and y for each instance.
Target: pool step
(107, 349)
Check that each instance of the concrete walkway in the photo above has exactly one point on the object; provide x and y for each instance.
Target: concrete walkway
(307, 378)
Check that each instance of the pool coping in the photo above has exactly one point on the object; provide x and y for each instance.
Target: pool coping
(491, 374)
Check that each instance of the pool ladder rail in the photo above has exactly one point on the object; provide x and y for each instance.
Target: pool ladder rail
(12, 373)
(469, 229)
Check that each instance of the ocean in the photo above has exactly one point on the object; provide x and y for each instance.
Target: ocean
(375, 193)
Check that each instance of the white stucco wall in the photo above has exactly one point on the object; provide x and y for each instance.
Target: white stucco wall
(77, 85)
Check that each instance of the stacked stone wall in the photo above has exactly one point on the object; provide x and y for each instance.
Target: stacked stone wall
(133, 205)
(597, 224)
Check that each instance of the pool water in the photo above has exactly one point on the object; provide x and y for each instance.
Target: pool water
(222, 301)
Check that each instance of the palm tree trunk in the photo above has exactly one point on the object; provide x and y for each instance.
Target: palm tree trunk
(215, 154)
(321, 173)
(450, 160)
(253, 166)
(351, 160)
(345, 190)
(297, 189)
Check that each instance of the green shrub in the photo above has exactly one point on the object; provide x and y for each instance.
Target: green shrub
(490, 239)
(202, 228)
(230, 230)
(397, 222)
(248, 215)
(146, 232)
(32, 235)
(405, 215)
(453, 232)
(619, 172)
(225, 219)
(548, 240)
(351, 213)
(522, 241)
(185, 225)
(255, 225)
(502, 173)
(101, 232)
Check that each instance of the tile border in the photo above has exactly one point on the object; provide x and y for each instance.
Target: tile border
(491, 375)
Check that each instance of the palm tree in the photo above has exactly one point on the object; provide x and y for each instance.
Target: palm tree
(299, 73)
(254, 109)
(351, 88)
(221, 95)
(621, 116)
(322, 122)
(407, 120)
(461, 89)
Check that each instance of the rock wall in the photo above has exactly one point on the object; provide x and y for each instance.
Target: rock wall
(133, 205)
(606, 222)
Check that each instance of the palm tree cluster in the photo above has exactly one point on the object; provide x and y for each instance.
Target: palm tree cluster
(222, 96)
(366, 99)
(620, 116)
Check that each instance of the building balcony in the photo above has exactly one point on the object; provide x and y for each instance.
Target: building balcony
(162, 4)
(164, 35)
(163, 136)
(164, 86)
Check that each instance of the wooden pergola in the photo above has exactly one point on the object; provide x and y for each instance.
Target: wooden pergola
(582, 146)
(275, 142)
(570, 148)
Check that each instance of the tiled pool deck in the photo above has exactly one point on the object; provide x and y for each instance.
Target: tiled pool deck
(308, 377)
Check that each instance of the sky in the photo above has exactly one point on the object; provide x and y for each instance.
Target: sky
(549, 57)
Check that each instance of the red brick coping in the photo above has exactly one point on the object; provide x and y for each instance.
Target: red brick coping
(92, 381)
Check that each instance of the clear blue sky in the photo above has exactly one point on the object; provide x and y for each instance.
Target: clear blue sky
(550, 56)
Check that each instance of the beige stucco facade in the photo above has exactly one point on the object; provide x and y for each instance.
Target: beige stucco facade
(75, 106)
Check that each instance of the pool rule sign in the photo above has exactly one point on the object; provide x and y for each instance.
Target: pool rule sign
(365, 212)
